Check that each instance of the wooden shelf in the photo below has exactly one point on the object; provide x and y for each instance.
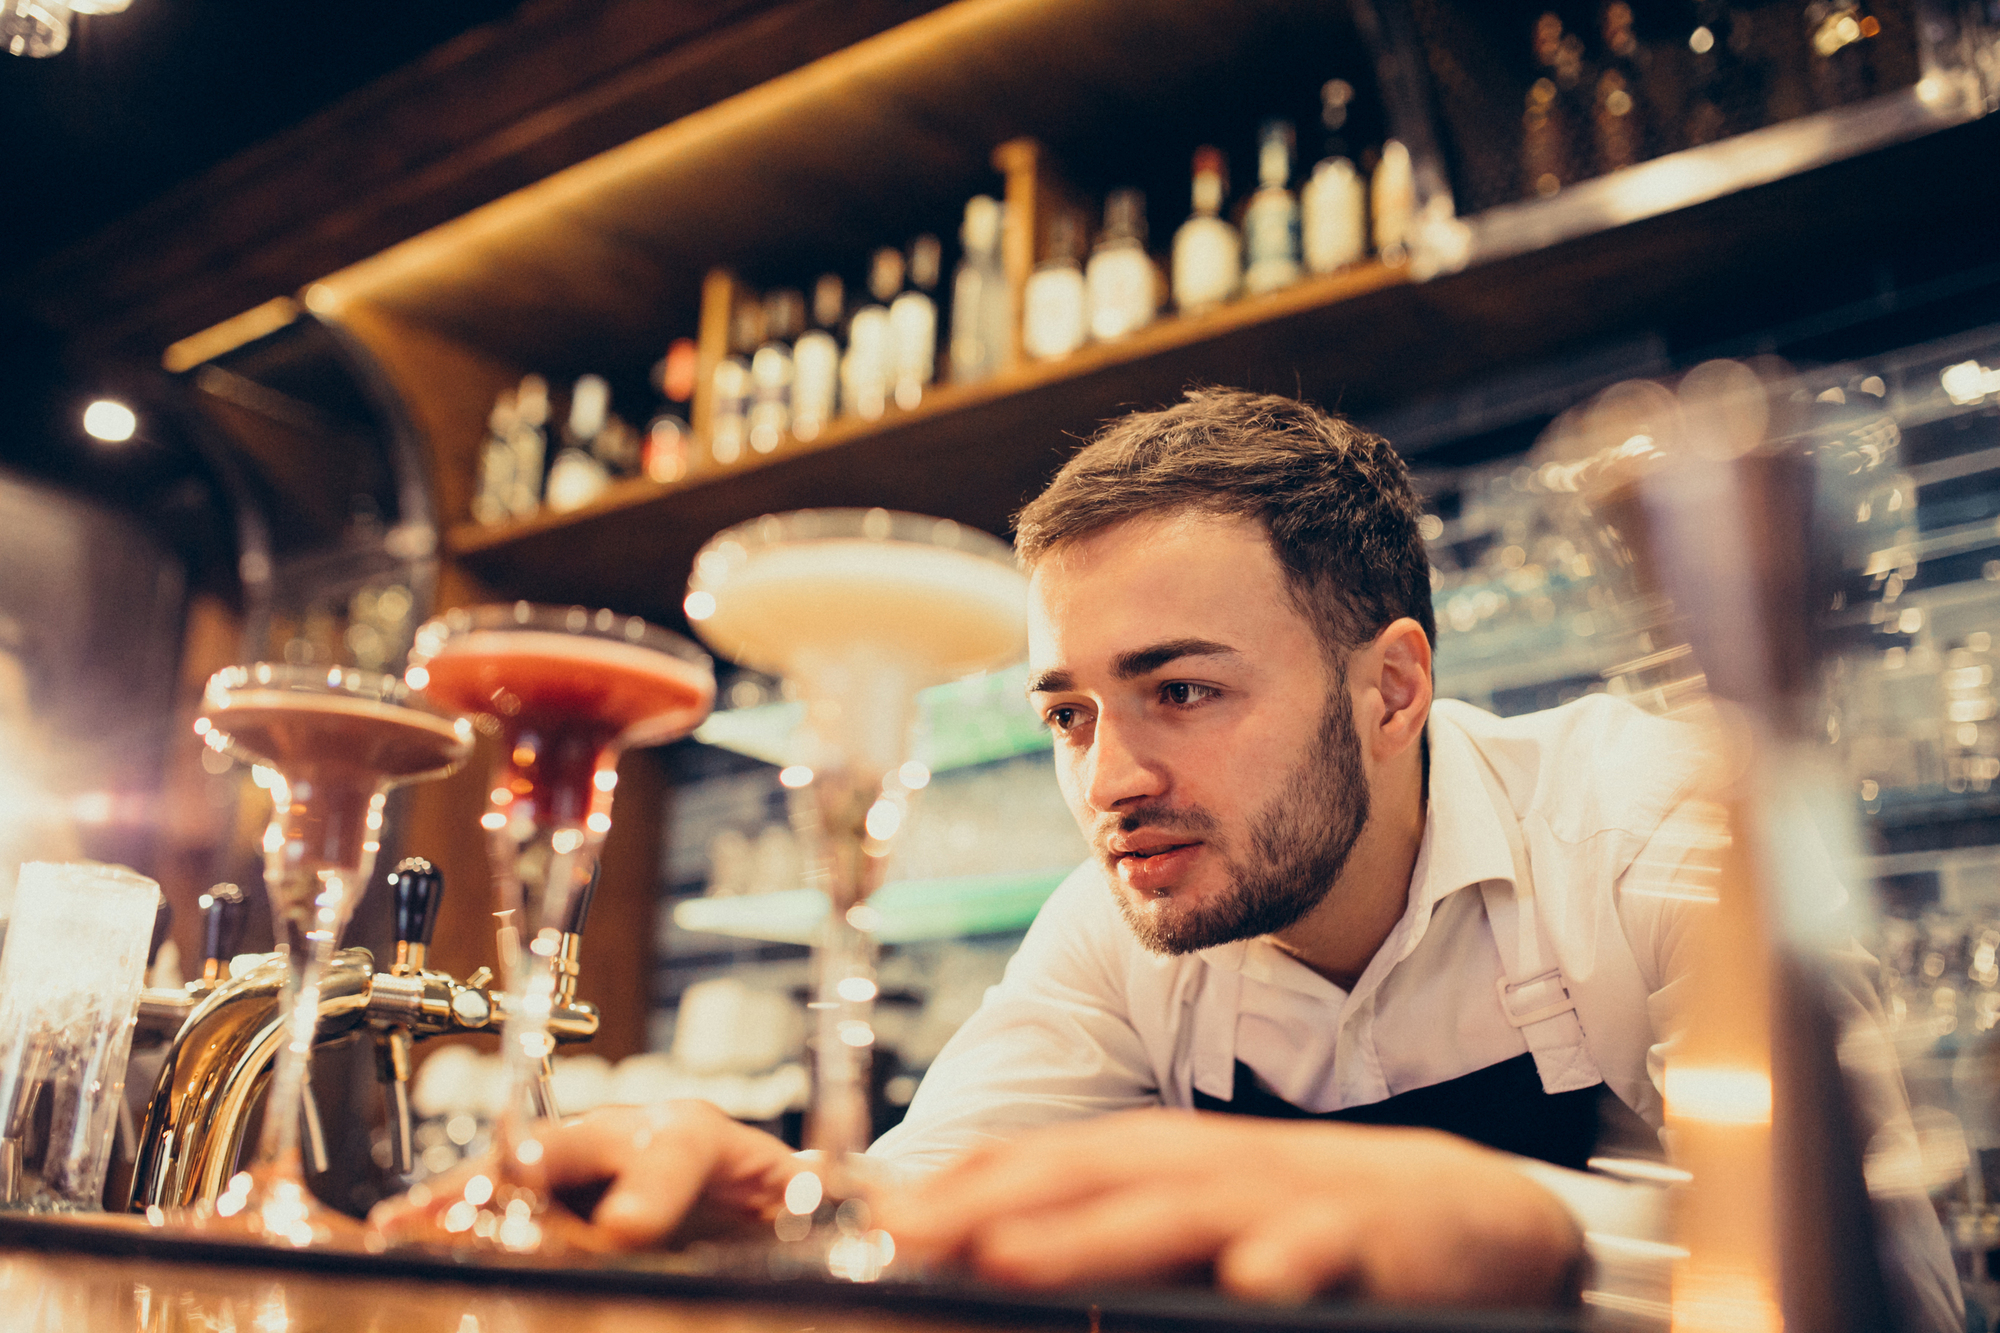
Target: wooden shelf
(1364, 341)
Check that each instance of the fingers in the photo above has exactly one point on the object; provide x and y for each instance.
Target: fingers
(1293, 1256)
(1040, 1171)
(1124, 1235)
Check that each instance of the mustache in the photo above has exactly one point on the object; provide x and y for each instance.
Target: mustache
(1189, 819)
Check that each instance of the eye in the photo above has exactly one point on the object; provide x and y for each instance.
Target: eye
(1062, 717)
(1185, 693)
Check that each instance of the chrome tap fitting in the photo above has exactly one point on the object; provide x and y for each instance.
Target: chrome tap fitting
(223, 1032)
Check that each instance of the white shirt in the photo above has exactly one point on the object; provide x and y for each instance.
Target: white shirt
(1621, 853)
(1087, 1021)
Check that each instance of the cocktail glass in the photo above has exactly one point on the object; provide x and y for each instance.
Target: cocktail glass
(857, 610)
(564, 691)
(332, 742)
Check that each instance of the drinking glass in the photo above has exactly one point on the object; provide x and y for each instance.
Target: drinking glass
(857, 610)
(565, 692)
(332, 743)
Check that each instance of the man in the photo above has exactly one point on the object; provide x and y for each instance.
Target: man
(1367, 934)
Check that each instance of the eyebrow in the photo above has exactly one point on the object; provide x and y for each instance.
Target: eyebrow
(1139, 662)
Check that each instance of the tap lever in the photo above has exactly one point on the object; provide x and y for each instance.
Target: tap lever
(393, 1052)
(579, 908)
(222, 934)
(418, 888)
(163, 924)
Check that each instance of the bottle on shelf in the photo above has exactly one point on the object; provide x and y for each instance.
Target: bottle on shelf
(1054, 308)
(913, 325)
(816, 361)
(1208, 253)
(729, 426)
(981, 306)
(578, 476)
(1392, 201)
(1271, 220)
(1333, 206)
(1620, 120)
(1121, 285)
(864, 370)
(771, 371)
(492, 498)
(531, 445)
(664, 452)
(1552, 123)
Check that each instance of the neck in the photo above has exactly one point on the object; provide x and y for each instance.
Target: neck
(1339, 937)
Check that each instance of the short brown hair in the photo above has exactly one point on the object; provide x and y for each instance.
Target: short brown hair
(1335, 499)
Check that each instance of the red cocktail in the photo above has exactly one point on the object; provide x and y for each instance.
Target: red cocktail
(565, 692)
(335, 741)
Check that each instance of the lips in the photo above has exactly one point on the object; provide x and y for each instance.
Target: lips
(1156, 867)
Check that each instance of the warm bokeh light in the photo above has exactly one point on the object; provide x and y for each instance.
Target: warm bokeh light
(110, 421)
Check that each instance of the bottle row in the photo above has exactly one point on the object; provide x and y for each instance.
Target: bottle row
(793, 361)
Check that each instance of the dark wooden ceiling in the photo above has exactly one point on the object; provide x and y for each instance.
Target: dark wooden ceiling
(187, 161)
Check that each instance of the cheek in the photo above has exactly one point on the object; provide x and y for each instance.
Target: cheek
(1071, 781)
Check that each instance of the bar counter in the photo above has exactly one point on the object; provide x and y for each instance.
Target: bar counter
(111, 1276)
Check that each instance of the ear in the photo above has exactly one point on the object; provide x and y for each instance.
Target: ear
(1398, 669)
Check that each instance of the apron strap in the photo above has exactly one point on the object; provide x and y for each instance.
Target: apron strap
(1533, 995)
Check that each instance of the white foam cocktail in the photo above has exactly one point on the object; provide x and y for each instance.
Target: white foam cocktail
(857, 610)
(335, 741)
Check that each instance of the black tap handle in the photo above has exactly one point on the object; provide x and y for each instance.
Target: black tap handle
(418, 886)
(579, 910)
(223, 916)
(163, 923)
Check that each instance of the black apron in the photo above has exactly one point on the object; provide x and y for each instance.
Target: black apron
(1502, 1106)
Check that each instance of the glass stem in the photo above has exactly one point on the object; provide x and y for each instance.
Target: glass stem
(316, 866)
(843, 1045)
(843, 1028)
(544, 888)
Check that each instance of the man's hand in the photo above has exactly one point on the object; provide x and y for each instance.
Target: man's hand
(1282, 1210)
(638, 1176)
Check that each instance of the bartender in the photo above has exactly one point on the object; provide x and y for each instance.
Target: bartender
(1390, 964)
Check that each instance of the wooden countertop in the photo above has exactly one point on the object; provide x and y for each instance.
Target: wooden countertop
(115, 1275)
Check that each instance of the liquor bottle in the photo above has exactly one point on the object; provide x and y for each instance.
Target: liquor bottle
(1619, 122)
(493, 497)
(1054, 309)
(1333, 206)
(577, 476)
(1392, 199)
(664, 457)
(531, 445)
(1271, 221)
(770, 416)
(816, 361)
(913, 325)
(1208, 254)
(663, 454)
(1121, 285)
(1839, 33)
(982, 312)
(864, 370)
(729, 423)
(1551, 126)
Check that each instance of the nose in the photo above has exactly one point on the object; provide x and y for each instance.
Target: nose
(1117, 772)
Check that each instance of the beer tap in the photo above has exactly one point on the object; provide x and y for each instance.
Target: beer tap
(223, 1031)
(222, 915)
(417, 887)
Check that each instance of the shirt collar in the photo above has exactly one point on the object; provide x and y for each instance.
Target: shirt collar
(1464, 844)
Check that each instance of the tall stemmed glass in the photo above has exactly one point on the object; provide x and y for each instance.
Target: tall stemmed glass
(565, 692)
(334, 742)
(857, 610)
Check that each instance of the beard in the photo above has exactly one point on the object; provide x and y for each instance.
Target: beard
(1293, 853)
